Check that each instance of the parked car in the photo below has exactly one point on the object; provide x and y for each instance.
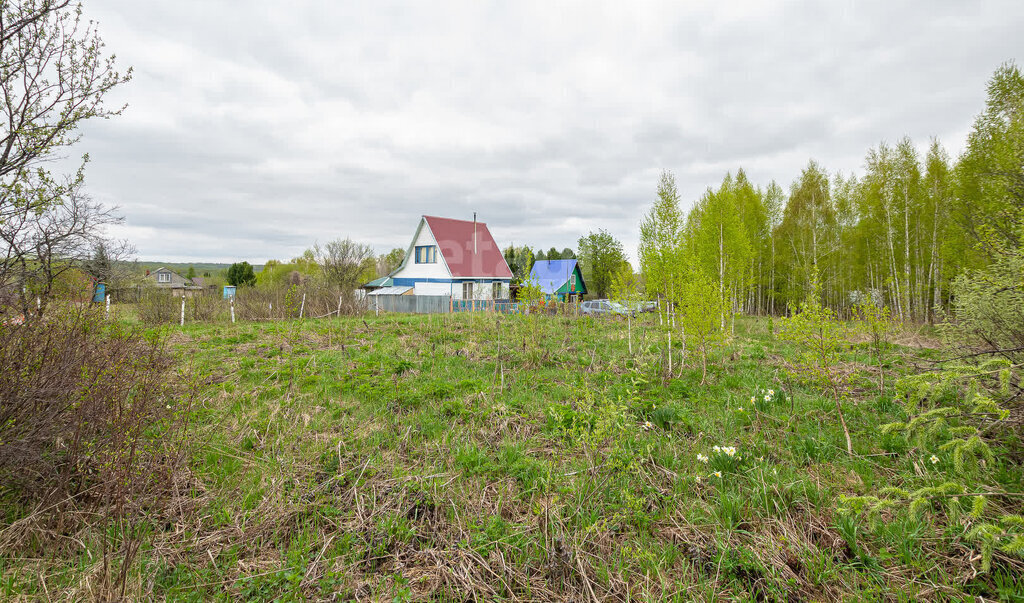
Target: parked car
(643, 306)
(604, 307)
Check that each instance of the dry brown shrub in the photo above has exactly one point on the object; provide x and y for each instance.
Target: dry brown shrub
(91, 437)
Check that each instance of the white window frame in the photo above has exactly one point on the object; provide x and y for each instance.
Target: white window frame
(467, 287)
(496, 290)
(163, 277)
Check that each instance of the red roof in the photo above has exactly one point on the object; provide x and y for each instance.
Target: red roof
(455, 240)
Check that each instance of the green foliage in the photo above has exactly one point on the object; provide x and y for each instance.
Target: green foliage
(600, 257)
(820, 337)
(661, 241)
(530, 292)
(241, 274)
(700, 307)
(520, 261)
(990, 176)
(950, 411)
(879, 325)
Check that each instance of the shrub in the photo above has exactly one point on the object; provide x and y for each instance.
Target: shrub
(90, 428)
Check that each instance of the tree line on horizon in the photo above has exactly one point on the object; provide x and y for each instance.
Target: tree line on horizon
(899, 235)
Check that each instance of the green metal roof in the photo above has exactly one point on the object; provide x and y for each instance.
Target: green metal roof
(384, 281)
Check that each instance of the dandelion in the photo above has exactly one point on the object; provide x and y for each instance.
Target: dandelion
(718, 474)
(702, 458)
(934, 459)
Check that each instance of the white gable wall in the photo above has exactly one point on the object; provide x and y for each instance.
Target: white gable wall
(413, 270)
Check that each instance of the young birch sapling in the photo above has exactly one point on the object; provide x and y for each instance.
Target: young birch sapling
(820, 336)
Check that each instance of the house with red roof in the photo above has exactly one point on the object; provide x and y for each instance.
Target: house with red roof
(458, 258)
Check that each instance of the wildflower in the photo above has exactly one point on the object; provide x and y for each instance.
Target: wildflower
(740, 409)
(934, 459)
(767, 397)
(648, 426)
(718, 474)
(698, 479)
(771, 392)
(760, 459)
(753, 399)
(168, 407)
(702, 458)
(717, 448)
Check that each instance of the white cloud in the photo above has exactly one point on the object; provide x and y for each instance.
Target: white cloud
(253, 132)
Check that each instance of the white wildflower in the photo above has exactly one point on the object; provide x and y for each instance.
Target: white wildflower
(934, 459)
(767, 397)
(702, 458)
(718, 474)
(771, 392)
(648, 426)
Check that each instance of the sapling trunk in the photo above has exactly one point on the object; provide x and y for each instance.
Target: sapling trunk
(842, 421)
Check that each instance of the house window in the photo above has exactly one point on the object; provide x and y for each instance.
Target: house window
(163, 277)
(572, 282)
(467, 290)
(426, 254)
(496, 293)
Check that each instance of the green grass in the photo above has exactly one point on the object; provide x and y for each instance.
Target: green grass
(502, 458)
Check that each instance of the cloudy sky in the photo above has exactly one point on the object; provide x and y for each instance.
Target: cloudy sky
(256, 129)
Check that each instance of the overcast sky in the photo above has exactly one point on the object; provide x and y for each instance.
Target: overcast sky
(255, 129)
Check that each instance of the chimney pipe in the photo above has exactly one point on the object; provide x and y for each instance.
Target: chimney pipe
(474, 233)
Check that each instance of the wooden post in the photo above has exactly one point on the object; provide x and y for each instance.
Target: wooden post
(108, 305)
(232, 310)
(183, 308)
(302, 306)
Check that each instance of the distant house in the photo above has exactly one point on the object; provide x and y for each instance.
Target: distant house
(560, 279)
(165, 278)
(457, 258)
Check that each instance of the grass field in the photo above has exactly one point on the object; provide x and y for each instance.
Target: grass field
(482, 457)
